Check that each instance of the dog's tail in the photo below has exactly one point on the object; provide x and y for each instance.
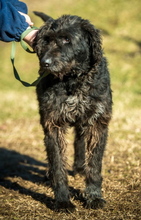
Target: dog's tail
(42, 15)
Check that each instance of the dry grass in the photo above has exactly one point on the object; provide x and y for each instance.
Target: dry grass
(23, 193)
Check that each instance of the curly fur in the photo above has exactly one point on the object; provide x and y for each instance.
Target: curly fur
(75, 93)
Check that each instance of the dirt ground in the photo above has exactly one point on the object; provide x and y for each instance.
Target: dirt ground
(24, 194)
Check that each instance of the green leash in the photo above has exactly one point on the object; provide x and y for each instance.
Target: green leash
(25, 47)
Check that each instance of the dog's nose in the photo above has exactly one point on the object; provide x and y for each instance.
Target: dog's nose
(46, 62)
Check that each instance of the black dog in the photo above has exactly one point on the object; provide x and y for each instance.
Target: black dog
(76, 92)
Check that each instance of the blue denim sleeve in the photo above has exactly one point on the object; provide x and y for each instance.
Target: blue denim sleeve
(12, 24)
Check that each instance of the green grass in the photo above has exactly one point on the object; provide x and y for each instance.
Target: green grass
(122, 44)
(120, 25)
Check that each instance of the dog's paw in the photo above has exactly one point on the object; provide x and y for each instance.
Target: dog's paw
(93, 197)
(67, 207)
(96, 203)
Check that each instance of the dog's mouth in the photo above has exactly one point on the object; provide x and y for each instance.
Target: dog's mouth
(57, 67)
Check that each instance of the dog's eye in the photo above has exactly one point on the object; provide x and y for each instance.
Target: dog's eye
(46, 39)
(65, 40)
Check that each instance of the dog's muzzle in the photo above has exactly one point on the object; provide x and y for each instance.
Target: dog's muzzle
(46, 62)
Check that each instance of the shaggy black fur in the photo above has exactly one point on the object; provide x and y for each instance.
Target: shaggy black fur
(76, 93)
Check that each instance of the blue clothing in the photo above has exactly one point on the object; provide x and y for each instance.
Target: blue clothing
(12, 23)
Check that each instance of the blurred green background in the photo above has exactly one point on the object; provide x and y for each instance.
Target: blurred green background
(120, 23)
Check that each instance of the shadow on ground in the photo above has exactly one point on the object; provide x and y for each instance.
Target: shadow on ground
(25, 168)
(18, 171)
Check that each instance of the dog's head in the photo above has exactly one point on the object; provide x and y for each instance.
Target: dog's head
(67, 45)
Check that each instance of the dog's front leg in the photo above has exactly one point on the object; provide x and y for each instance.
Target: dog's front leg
(79, 152)
(96, 137)
(55, 145)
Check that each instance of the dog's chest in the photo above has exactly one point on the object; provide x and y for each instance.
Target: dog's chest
(68, 102)
(65, 101)
(71, 107)
(74, 107)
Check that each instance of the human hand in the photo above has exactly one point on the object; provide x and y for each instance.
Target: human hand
(29, 37)
(27, 18)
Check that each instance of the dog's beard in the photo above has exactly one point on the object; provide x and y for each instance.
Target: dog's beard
(60, 68)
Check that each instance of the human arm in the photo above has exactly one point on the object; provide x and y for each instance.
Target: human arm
(14, 21)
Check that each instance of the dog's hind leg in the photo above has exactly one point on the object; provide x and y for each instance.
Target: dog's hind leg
(96, 137)
(55, 146)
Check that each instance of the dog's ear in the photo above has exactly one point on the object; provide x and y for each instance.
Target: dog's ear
(48, 22)
(43, 16)
(94, 39)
